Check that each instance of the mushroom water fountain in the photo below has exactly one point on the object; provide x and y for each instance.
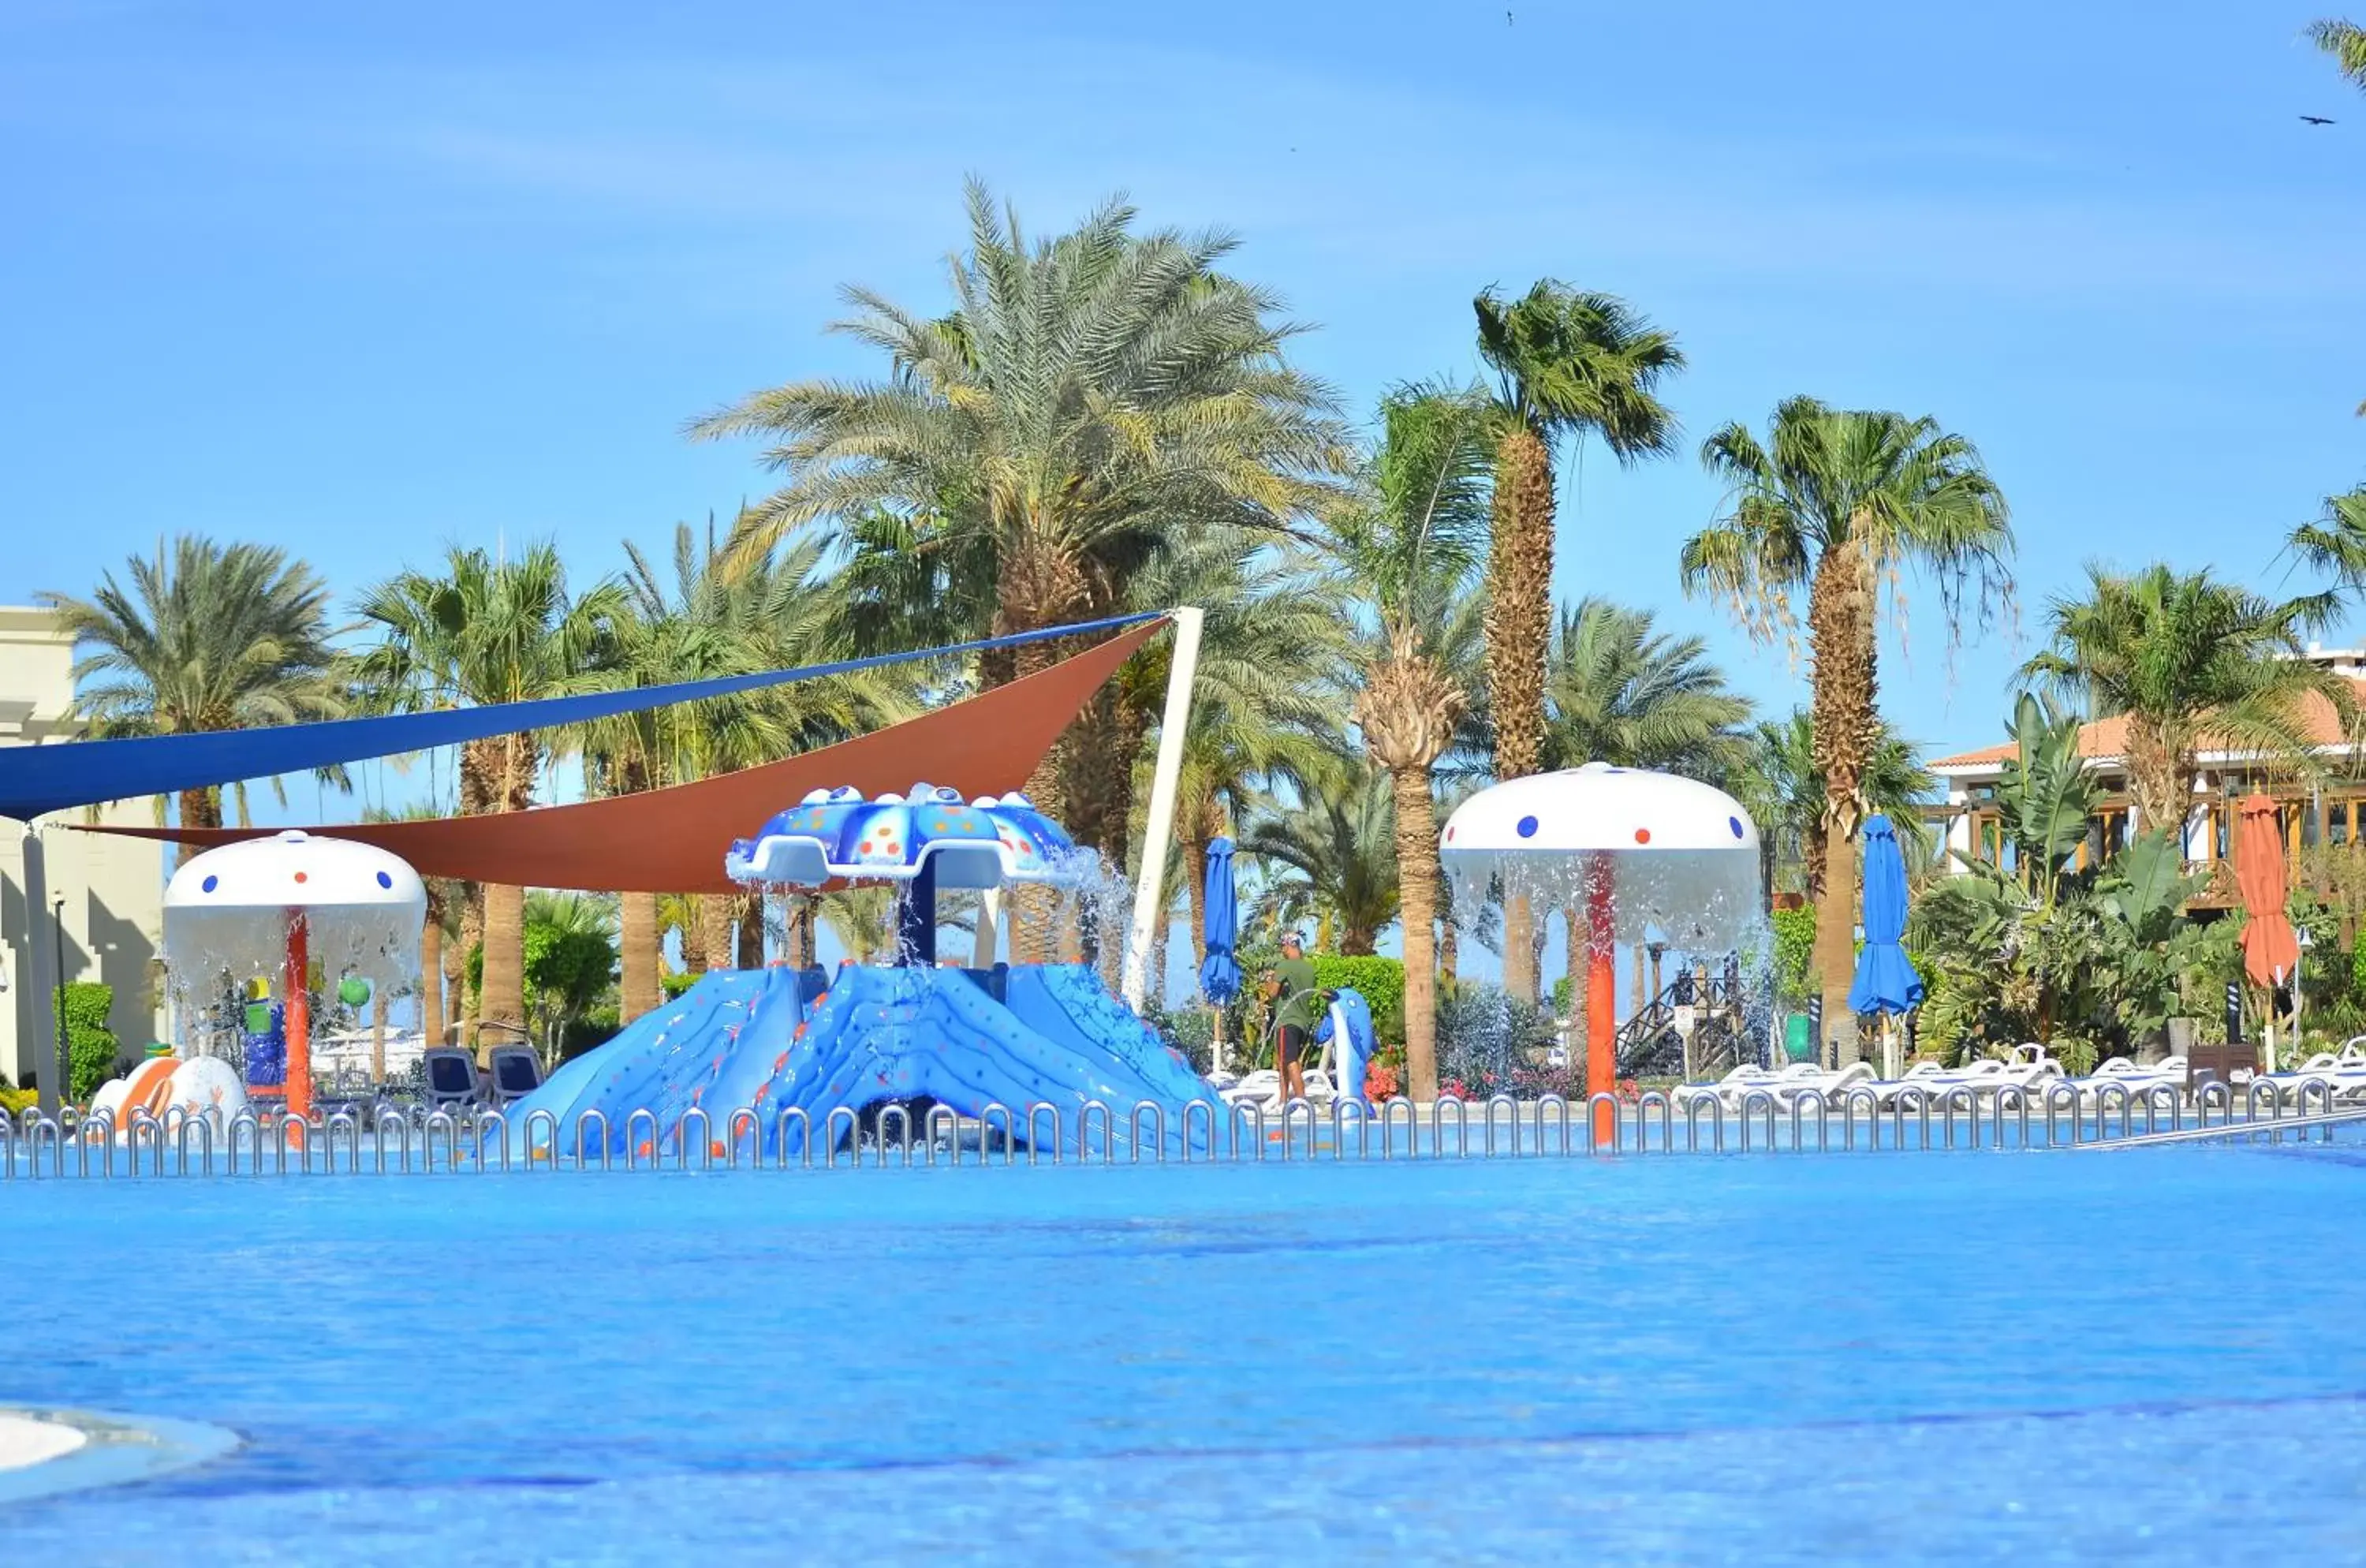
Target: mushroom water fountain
(1632, 851)
(285, 903)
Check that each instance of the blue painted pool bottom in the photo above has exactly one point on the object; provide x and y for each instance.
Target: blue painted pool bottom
(1886, 1359)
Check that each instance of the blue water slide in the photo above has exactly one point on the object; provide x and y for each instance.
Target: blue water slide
(763, 1040)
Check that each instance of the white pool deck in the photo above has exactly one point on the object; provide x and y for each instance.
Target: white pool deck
(24, 1441)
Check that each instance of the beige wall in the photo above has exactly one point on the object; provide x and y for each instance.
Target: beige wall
(114, 888)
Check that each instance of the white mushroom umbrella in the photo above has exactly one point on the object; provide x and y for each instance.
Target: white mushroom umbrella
(1643, 849)
(278, 903)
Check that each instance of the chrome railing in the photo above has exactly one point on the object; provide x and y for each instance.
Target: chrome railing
(478, 1140)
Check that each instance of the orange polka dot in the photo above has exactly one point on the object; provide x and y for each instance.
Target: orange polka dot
(1642, 835)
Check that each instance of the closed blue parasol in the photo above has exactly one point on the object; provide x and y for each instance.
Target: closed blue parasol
(1885, 980)
(1219, 972)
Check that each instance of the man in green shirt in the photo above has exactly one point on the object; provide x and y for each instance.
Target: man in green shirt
(1298, 1005)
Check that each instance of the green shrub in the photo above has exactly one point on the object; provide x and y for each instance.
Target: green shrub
(675, 984)
(1795, 952)
(1380, 980)
(91, 1045)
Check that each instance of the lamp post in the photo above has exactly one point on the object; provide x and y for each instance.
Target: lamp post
(60, 1061)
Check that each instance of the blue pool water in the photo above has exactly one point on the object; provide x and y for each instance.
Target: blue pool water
(1965, 1357)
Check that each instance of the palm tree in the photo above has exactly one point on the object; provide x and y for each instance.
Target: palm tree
(1089, 400)
(2335, 542)
(206, 637)
(2345, 41)
(1568, 363)
(1333, 859)
(1407, 555)
(712, 611)
(444, 897)
(1778, 783)
(485, 631)
(1837, 502)
(1621, 692)
(2182, 657)
(1264, 713)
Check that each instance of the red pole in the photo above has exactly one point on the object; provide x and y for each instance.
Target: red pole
(297, 1016)
(1601, 997)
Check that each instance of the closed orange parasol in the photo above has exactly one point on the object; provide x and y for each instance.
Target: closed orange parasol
(2271, 951)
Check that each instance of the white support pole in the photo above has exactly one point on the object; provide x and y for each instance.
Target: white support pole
(1150, 891)
(37, 1025)
(986, 946)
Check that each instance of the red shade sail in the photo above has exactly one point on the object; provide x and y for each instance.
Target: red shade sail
(672, 841)
(2271, 951)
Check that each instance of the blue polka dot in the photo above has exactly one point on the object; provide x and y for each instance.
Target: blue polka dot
(1527, 828)
(386, 881)
(1734, 823)
(210, 883)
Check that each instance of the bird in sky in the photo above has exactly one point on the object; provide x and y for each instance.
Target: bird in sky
(2314, 119)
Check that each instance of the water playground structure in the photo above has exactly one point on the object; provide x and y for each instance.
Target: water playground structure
(797, 1058)
(294, 907)
(1630, 851)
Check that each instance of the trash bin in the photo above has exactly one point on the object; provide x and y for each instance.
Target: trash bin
(1798, 1038)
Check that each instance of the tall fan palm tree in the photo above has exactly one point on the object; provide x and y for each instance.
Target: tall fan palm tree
(1089, 399)
(1837, 502)
(1333, 859)
(482, 631)
(1778, 782)
(2182, 656)
(1407, 556)
(204, 636)
(1619, 691)
(1569, 363)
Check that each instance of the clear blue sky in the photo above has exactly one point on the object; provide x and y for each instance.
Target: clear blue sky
(365, 280)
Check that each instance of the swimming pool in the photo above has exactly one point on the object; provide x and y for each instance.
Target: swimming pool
(1871, 1358)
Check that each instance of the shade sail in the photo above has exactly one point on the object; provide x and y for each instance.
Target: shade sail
(674, 841)
(35, 779)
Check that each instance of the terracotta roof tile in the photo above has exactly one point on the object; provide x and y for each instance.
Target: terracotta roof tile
(2108, 737)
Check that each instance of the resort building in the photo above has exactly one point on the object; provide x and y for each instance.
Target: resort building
(112, 888)
(2314, 816)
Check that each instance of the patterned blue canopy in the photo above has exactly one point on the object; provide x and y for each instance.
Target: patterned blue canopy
(834, 834)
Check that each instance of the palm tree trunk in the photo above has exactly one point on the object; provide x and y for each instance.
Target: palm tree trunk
(802, 919)
(377, 1035)
(2160, 779)
(449, 1030)
(1040, 586)
(199, 808)
(1519, 631)
(636, 987)
(472, 941)
(503, 1000)
(1450, 949)
(1840, 606)
(693, 935)
(1417, 830)
(752, 930)
(715, 928)
(431, 973)
(1573, 1038)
